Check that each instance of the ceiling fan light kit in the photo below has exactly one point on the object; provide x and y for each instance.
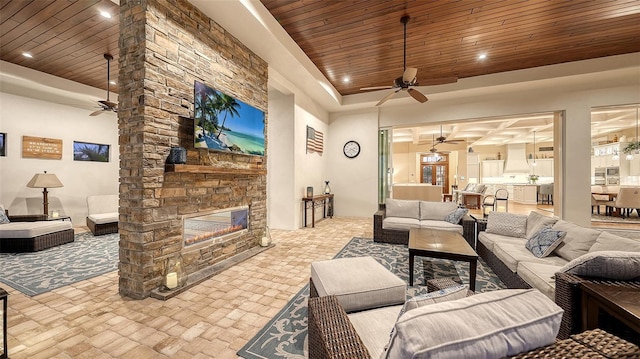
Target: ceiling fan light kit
(408, 80)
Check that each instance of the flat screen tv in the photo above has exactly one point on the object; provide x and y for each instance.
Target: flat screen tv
(224, 123)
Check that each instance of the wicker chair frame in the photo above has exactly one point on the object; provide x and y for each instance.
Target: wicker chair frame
(99, 229)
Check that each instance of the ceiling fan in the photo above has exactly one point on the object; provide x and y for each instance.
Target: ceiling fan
(443, 139)
(408, 80)
(106, 105)
(433, 148)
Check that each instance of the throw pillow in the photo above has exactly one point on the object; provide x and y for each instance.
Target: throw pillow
(541, 244)
(610, 242)
(614, 265)
(3, 216)
(577, 242)
(536, 221)
(495, 324)
(455, 216)
(507, 224)
(402, 208)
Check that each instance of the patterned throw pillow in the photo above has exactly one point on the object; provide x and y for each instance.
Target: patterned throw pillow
(455, 216)
(614, 265)
(3, 216)
(507, 224)
(544, 242)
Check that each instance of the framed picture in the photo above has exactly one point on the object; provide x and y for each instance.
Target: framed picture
(224, 123)
(86, 151)
(3, 144)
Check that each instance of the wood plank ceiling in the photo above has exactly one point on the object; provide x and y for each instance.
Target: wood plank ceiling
(363, 39)
(357, 38)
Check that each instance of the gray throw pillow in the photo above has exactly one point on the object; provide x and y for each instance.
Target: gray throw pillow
(3, 216)
(507, 224)
(614, 265)
(577, 242)
(541, 244)
(536, 221)
(455, 216)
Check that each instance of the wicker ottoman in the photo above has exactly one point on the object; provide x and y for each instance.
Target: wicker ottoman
(358, 283)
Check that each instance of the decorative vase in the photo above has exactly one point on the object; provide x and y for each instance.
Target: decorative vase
(174, 275)
(177, 155)
(309, 192)
(327, 189)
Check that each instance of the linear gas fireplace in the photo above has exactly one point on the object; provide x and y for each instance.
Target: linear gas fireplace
(215, 225)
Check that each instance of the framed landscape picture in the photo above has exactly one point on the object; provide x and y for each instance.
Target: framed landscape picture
(224, 123)
(86, 151)
(3, 144)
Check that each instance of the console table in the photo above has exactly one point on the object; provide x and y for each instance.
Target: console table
(324, 200)
(620, 302)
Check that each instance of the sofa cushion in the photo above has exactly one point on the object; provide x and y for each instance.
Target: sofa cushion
(32, 229)
(577, 241)
(507, 224)
(610, 242)
(104, 218)
(400, 223)
(441, 225)
(402, 208)
(536, 221)
(614, 265)
(542, 243)
(442, 295)
(489, 239)
(456, 215)
(436, 210)
(373, 327)
(540, 276)
(512, 254)
(487, 325)
(359, 283)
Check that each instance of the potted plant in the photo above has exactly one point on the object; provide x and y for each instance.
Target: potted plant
(631, 147)
(533, 178)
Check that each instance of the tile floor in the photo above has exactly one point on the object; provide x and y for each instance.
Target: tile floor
(214, 319)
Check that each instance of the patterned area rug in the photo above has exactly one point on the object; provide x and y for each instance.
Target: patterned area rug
(285, 336)
(39, 272)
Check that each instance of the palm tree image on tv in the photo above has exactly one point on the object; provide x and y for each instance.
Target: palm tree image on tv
(83, 151)
(225, 123)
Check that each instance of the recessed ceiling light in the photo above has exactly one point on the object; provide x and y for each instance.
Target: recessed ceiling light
(346, 79)
(482, 56)
(26, 54)
(105, 14)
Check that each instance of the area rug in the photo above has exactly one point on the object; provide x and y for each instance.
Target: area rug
(285, 336)
(614, 219)
(39, 272)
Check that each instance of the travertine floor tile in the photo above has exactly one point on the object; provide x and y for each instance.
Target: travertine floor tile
(90, 319)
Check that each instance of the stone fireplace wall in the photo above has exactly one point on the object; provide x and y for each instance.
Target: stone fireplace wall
(165, 45)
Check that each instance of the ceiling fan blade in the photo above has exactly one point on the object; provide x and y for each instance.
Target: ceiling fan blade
(409, 74)
(376, 88)
(417, 95)
(439, 81)
(390, 95)
(96, 113)
(108, 104)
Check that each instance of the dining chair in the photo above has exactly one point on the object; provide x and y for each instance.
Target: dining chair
(626, 201)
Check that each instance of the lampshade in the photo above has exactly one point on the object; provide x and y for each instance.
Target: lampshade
(44, 180)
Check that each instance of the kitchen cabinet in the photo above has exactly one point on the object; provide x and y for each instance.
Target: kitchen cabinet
(543, 168)
(525, 193)
(473, 170)
(492, 168)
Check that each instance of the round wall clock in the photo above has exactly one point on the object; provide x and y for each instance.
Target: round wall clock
(351, 149)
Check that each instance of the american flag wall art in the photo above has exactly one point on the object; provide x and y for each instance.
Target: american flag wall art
(314, 140)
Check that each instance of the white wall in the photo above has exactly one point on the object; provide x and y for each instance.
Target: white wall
(354, 181)
(23, 116)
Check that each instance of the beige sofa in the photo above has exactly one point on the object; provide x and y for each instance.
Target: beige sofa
(392, 224)
(31, 233)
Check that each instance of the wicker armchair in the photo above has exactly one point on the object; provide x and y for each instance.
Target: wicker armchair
(331, 335)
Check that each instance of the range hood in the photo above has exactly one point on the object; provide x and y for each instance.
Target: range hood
(516, 161)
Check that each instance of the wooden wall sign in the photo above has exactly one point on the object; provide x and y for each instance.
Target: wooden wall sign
(41, 147)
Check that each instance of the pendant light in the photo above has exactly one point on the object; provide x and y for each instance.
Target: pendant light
(534, 149)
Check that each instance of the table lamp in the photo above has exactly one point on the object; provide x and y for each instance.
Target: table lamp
(45, 180)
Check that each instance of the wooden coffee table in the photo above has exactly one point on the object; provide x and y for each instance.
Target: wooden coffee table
(441, 244)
